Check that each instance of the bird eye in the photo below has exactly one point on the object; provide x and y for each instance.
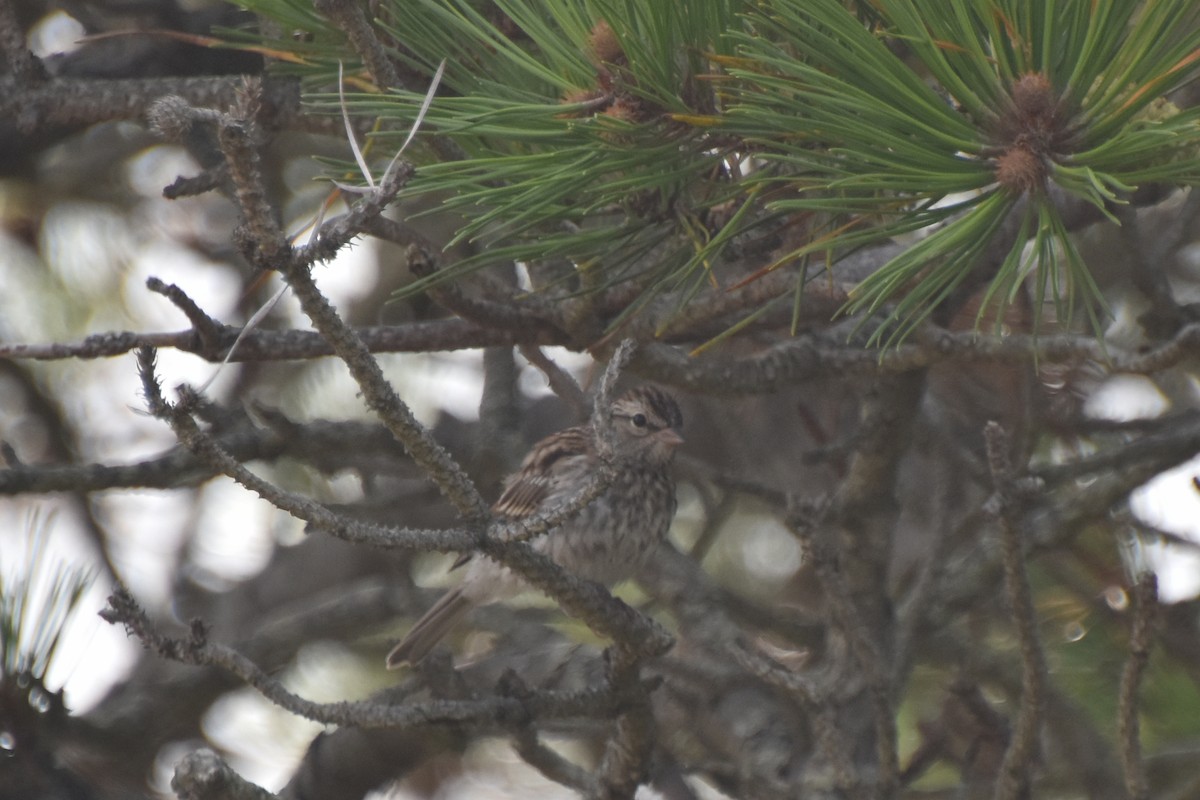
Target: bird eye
(638, 420)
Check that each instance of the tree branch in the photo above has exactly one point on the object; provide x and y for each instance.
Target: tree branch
(204, 775)
(205, 448)
(260, 346)
(1145, 607)
(1016, 773)
(382, 399)
(495, 712)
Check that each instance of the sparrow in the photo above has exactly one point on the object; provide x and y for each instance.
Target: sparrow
(605, 541)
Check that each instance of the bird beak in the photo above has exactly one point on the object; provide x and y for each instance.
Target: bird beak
(669, 437)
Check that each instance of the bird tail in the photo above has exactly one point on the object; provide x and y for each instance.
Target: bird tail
(430, 629)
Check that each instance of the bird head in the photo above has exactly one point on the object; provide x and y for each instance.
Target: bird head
(646, 423)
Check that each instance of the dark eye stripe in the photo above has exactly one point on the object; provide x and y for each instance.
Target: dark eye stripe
(660, 409)
(663, 406)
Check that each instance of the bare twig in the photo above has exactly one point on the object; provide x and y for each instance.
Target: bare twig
(403, 234)
(530, 747)
(494, 306)
(602, 404)
(559, 379)
(206, 448)
(761, 665)
(76, 102)
(413, 337)
(789, 363)
(349, 17)
(821, 712)
(206, 181)
(846, 542)
(208, 328)
(21, 63)
(558, 769)
(589, 602)
(500, 439)
(381, 398)
(204, 775)
(1145, 607)
(337, 233)
(866, 652)
(1176, 433)
(1185, 343)
(804, 358)
(261, 239)
(494, 712)
(627, 753)
(1016, 772)
(626, 760)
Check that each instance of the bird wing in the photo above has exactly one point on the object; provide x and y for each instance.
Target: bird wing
(527, 489)
(541, 472)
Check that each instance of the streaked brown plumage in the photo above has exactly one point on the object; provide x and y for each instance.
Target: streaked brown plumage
(605, 541)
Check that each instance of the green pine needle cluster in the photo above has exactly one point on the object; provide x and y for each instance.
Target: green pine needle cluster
(634, 139)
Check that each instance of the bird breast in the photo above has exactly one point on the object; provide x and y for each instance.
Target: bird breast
(610, 537)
